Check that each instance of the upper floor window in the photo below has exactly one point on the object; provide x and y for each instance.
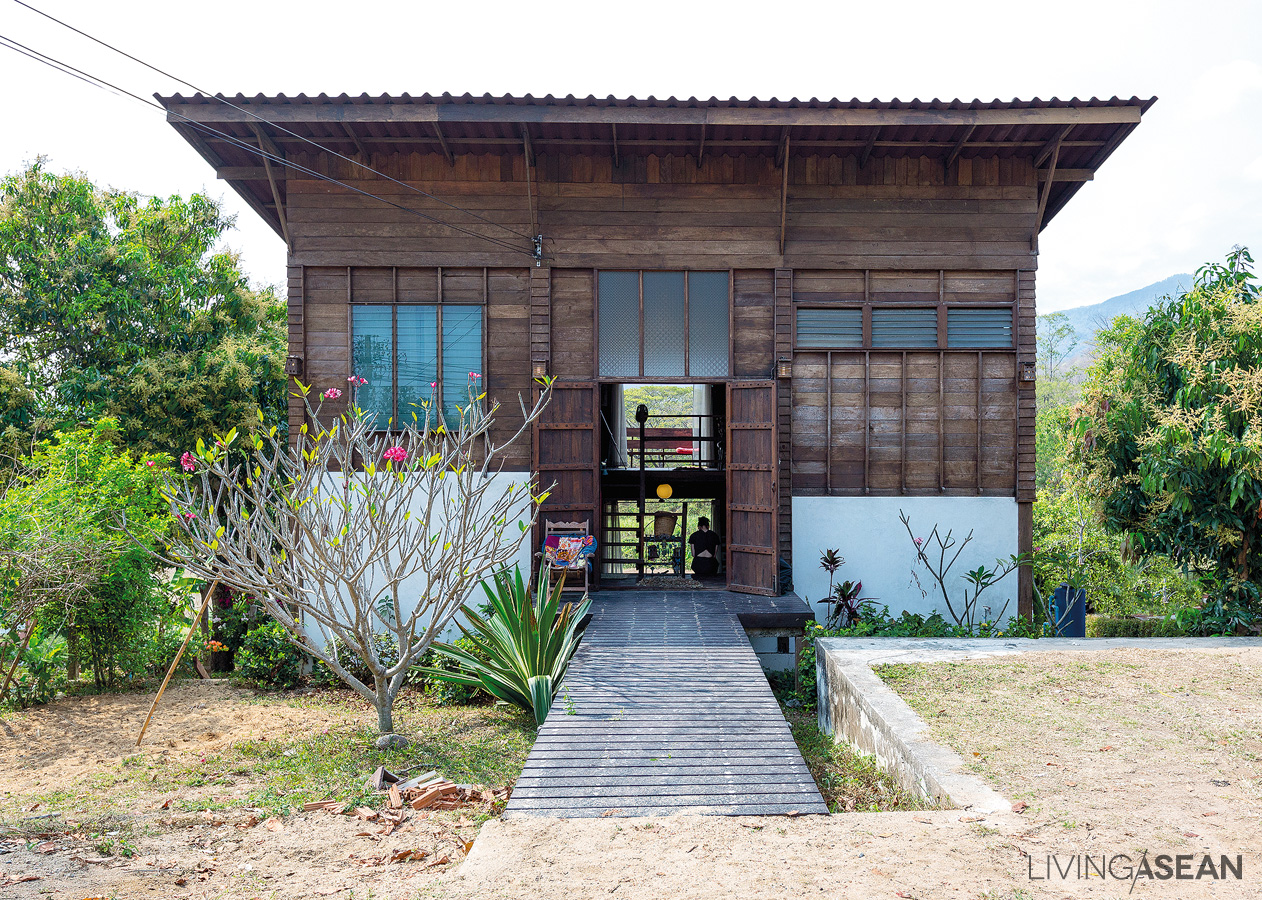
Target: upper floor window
(410, 354)
(662, 324)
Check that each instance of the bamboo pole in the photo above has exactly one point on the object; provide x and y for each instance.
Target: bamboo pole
(179, 655)
(26, 640)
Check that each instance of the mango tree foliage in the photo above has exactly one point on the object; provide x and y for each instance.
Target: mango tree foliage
(348, 532)
(63, 556)
(1170, 432)
(115, 306)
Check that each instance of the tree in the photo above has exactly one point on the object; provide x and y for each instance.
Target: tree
(110, 306)
(1170, 432)
(347, 533)
(1056, 341)
(67, 560)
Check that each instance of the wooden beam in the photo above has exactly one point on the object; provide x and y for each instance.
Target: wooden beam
(1047, 190)
(530, 154)
(982, 147)
(1053, 144)
(266, 143)
(784, 192)
(782, 152)
(1102, 153)
(701, 147)
(868, 147)
(615, 144)
(959, 145)
(469, 112)
(1069, 175)
(442, 142)
(198, 142)
(359, 145)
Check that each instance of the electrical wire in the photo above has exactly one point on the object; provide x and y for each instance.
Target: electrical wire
(102, 84)
(275, 125)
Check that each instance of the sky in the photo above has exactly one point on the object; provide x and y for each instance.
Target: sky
(1182, 190)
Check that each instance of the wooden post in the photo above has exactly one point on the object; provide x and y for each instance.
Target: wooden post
(179, 654)
(26, 640)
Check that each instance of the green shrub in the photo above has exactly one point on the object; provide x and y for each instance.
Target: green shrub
(523, 649)
(268, 659)
(166, 634)
(450, 693)
(40, 673)
(384, 645)
(1122, 627)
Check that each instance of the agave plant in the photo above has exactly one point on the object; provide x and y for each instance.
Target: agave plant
(527, 643)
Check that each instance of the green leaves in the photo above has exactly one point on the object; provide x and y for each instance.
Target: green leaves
(1173, 408)
(113, 306)
(522, 648)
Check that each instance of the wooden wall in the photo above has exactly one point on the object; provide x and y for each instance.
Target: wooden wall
(319, 329)
(665, 212)
(916, 422)
(897, 231)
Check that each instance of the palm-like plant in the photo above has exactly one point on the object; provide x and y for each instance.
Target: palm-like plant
(527, 643)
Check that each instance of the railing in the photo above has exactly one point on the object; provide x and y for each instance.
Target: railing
(671, 448)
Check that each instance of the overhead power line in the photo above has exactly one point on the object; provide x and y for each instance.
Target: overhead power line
(278, 127)
(100, 83)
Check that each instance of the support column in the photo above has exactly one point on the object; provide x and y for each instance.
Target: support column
(784, 407)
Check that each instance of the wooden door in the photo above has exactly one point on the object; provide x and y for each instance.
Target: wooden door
(753, 496)
(566, 451)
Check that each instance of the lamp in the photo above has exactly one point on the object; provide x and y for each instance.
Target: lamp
(784, 367)
(539, 370)
(664, 491)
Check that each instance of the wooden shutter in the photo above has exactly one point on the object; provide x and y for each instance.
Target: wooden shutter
(753, 495)
(566, 451)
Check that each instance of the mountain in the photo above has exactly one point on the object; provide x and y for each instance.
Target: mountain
(1087, 320)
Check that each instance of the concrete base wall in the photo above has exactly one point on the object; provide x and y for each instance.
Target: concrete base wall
(412, 588)
(879, 552)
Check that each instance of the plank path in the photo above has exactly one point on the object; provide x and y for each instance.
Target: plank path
(665, 709)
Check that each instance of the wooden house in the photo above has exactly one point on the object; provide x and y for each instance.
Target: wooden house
(849, 287)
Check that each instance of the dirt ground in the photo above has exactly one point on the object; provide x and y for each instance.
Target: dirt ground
(1176, 725)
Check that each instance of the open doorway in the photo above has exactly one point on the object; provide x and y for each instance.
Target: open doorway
(663, 469)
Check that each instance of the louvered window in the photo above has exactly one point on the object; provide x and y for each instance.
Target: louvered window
(899, 329)
(977, 328)
(828, 329)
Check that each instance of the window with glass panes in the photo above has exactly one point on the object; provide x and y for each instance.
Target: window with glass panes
(413, 354)
(663, 324)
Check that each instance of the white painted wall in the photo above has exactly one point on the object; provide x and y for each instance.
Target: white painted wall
(500, 483)
(878, 551)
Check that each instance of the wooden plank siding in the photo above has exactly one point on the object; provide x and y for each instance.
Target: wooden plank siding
(916, 421)
(320, 299)
(905, 231)
(665, 212)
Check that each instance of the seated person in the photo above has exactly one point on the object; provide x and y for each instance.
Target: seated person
(705, 548)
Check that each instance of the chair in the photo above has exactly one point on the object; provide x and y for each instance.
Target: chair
(568, 547)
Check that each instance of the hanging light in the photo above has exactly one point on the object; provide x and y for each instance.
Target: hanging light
(784, 367)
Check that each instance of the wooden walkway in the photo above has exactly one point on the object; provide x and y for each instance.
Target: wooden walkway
(665, 709)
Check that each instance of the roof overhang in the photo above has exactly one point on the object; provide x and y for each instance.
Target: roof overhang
(1067, 139)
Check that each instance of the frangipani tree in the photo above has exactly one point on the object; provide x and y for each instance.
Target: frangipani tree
(349, 532)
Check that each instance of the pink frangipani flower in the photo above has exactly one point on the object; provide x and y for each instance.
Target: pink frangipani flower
(150, 463)
(356, 380)
(188, 462)
(919, 542)
(332, 394)
(396, 454)
(474, 375)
